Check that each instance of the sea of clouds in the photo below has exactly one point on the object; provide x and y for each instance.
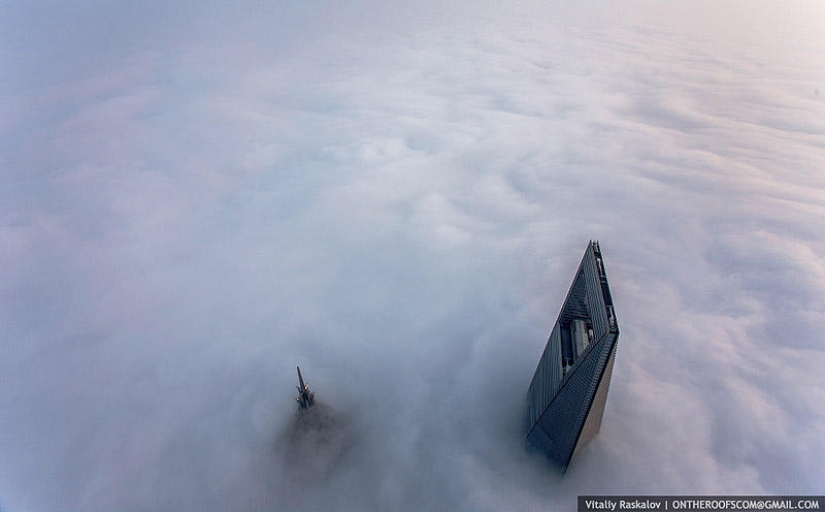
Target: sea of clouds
(197, 198)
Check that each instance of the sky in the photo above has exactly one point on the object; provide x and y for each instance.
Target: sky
(198, 197)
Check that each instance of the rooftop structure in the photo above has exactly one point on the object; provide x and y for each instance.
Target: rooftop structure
(305, 398)
(568, 393)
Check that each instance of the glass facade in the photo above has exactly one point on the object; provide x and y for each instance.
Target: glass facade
(568, 393)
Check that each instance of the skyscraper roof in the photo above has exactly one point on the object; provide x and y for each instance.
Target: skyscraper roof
(568, 393)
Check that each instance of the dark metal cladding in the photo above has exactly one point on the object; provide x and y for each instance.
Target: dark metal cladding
(566, 398)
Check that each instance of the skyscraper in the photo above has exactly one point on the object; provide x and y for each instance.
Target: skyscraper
(568, 393)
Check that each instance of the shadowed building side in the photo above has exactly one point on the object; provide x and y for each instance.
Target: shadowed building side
(568, 393)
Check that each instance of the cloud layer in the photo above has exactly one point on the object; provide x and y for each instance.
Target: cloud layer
(397, 201)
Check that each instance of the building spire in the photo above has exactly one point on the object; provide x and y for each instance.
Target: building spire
(305, 398)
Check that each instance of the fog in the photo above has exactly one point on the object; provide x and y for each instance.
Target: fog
(196, 199)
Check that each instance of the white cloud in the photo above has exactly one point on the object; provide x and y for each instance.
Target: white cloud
(397, 204)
